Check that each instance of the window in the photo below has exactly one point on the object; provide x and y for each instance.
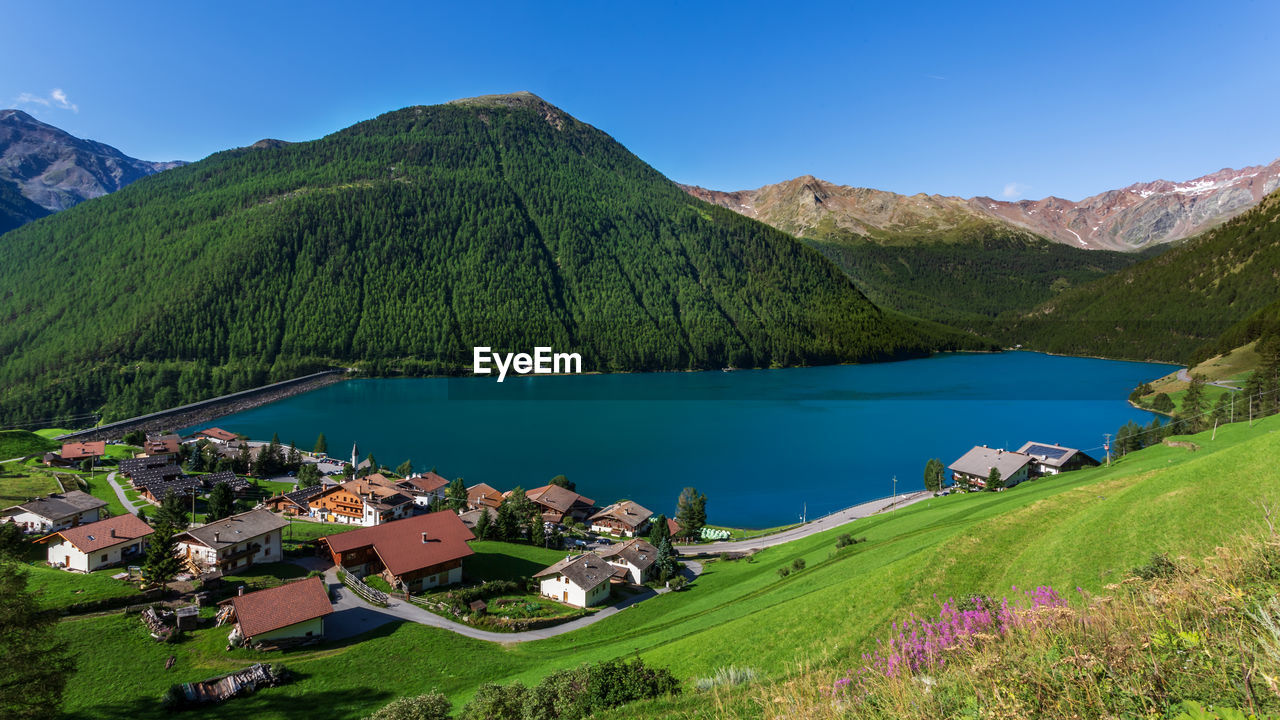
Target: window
(104, 558)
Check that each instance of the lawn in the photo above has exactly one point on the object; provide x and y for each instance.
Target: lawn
(60, 588)
(51, 433)
(19, 484)
(507, 561)
(740, 612)
(21, 443)
(265, 575)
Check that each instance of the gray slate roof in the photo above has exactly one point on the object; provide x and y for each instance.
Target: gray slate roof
(57, 506)
(587, 570)
(980, 460)
(637, 551)
(1050, 454)
(235, 529)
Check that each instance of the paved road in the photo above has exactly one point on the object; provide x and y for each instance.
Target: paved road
(1185, 377)
(353, 616)
(814, 526)
(129, 505)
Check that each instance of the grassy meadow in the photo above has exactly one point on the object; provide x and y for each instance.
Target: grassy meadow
(1086, 529)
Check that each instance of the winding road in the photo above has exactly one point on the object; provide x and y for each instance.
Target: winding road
(129, 505)
(1185, 376)
(353, 616)
(826, 522)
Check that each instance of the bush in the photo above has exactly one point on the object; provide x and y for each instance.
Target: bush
(432, 706)
(173, 698)
(1160, 566)
(572, 694)
(784, 571)
(679, 583)
(797, 564)
(845, 540)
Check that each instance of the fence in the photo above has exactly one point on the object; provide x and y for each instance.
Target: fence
(377, 597)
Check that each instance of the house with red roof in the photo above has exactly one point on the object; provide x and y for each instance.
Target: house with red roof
(74, 453)
(292, 611)
(558, 503)
(89, 547)
(217, 435)
(413, 554)
(424, 487)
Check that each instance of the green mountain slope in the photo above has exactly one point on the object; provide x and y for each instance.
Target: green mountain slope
(1174, 306)
(741, 613)
(15, 209)
(398, 244)
(970, 279)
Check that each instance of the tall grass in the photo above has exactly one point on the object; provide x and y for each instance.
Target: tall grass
(1204, 631)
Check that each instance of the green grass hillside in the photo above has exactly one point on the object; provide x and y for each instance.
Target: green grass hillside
(22, 443)
(397, 245)
(1174, 307)
(741, 612)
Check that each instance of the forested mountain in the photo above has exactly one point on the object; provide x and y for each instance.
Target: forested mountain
(1191, 302)
(397, 245)
(52, 170)
(978, 284)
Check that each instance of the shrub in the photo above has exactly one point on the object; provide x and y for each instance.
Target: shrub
(784, 571)
(1160, 566)
(173, 698)
(432, 706)
(797, 564)
(572, 694)
(845, 540)
(679, 583)
(496, 702)
(726, 677)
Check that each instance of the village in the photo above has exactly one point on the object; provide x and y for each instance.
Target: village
(287, 548)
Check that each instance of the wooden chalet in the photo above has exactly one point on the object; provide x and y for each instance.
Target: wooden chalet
(559, 504)
(232, 543)
(621, 518)
(413, 554)
(74, 453)
(367, 501)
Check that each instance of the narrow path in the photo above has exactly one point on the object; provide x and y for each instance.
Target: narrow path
(835, 519)
(129, 505)
(353, 616)
(1185, 376)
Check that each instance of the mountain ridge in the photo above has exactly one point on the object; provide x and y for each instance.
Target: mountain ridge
(1132, 218)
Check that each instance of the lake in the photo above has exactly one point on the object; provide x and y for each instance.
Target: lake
(765, 446)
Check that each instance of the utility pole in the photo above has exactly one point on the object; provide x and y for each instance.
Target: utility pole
(895, 494)
(1106, 447)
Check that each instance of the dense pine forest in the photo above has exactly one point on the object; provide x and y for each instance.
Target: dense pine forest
(977, 281)
(1204, 297)
(396, 245)
(15, 208)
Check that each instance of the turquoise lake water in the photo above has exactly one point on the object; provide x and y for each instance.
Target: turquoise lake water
(763, 445)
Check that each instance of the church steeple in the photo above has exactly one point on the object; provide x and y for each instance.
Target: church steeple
(355, 454)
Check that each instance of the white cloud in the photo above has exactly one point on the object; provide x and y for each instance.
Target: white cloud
(1014, 190)
(57, 98)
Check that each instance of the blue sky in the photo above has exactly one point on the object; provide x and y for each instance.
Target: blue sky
(963, 99)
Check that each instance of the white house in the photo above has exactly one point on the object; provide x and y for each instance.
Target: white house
(293, 611)
(974, 467)
(233, 543)
(425, 487)
(57, 511)
(85, 548)
(634, 557)
(580, 581)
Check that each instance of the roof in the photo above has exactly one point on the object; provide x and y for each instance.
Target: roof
(157, 444)
(482, 494)
(637, 552)
(298, 497)
(587, 570)
(981, 459)
(375, 493)
(1050, 454)
(82, 450)
(235, 529)
(628, 513)
(96, 536)
(218, 434)
(401, 543)
(57, 506)
(426, 482)
(179, 485)
(129, 466)
(471, 517)
(557, 498)
(673, 527)
(281, 606)
(225, 477)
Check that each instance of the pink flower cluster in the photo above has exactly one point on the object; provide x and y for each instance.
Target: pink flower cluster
(920, 644)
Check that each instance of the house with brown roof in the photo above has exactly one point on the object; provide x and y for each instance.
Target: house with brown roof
(424, 487)
(621, 518)
(293, 611)
(635, 558)
(232, 543)
(85, 548)
(56, 511)
(294, 504)
(73, 453)
(367, 501)
(158, 444)
(413, 554)
(558, 504)
(482, 495)
(580, 580)
(217, 435)
(974, 467)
